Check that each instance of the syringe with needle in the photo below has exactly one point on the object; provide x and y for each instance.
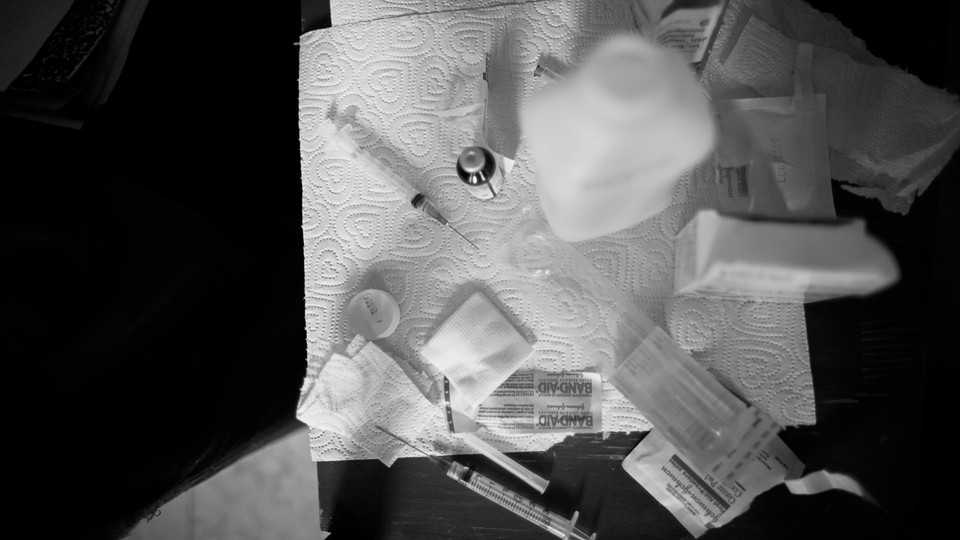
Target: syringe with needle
(376, 167)
(554, 523)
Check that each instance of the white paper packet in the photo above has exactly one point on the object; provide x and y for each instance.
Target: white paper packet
(688, 29)
(772, 157)
(889, 133)
(700, 502)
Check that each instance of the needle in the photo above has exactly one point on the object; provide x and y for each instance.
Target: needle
(420, 202)
(375, 167)
(434, 459)
(462, 236)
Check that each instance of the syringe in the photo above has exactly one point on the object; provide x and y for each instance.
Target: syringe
(422, 203)
(547, 73)
(375, 167)
(506, 497)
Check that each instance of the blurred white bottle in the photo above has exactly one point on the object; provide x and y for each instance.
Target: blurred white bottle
(610, 142)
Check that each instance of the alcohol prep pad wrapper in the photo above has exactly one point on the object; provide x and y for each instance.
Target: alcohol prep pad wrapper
(699, 501)
(531, 402)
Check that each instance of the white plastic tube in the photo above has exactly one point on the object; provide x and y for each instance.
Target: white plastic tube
(342, 139)
(535, 481)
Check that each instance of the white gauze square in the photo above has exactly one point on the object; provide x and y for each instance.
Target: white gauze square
(476, 348)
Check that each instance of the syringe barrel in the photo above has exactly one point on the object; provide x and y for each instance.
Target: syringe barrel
(371, 165)
(513, 501)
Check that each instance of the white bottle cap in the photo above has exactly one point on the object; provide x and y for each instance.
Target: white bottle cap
(374, 314)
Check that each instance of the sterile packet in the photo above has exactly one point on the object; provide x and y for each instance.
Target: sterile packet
(772, 156)
(700, 501)
(531, 402)
(686, 27)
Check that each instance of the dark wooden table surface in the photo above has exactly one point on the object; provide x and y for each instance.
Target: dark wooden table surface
(879, 369)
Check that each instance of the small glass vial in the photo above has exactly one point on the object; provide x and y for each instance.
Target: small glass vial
(477, 168)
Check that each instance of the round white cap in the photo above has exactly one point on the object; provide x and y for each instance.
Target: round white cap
(374, 314)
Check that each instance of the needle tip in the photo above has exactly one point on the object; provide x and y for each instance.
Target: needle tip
(464, 237)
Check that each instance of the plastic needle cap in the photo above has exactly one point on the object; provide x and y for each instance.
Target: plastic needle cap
(537, 482)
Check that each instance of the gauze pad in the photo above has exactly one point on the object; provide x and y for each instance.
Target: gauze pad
(701, 502)
(476, 348)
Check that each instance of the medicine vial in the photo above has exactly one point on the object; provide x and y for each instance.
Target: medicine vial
(477, 168)
(374, 314)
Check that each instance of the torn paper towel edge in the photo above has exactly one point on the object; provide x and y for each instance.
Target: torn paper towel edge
(860, 155)
(317, 356)
(336, 399)
(867, 163)
(794, 20)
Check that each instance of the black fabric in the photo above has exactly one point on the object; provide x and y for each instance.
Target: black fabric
(154, 306)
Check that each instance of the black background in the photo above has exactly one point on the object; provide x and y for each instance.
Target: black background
(153, 311)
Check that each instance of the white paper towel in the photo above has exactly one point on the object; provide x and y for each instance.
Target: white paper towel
(352, 392)
(890, 134)
(359, 233)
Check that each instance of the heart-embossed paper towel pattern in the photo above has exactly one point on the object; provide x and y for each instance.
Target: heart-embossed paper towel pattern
(388, 78)
(889, 133)
(357, 391)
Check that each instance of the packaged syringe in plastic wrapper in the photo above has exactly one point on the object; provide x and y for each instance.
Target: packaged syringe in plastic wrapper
(715, 430)
(709, 425)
